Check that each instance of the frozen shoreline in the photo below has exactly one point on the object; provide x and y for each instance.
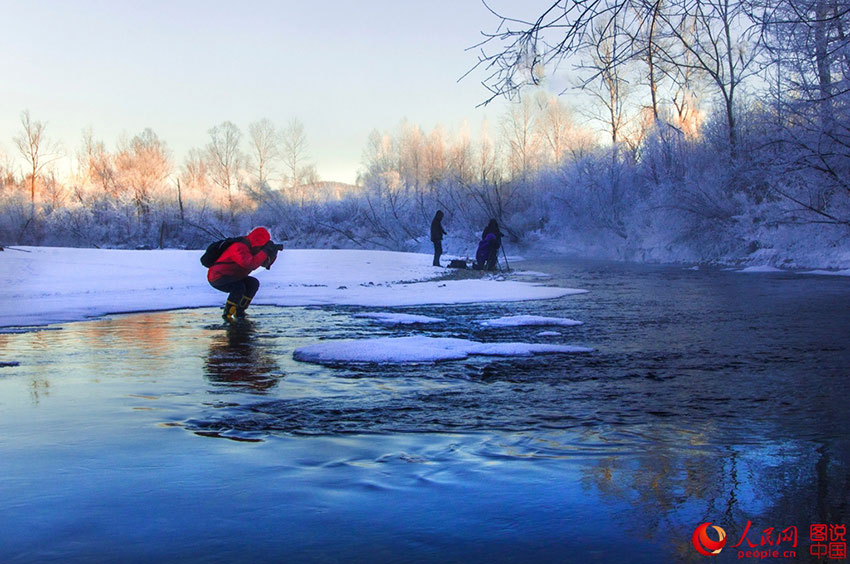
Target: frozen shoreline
(55, 284)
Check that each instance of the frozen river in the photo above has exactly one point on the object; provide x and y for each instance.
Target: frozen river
(709, 396)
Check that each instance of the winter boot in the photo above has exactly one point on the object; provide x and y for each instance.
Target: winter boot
(243, 305)
(230, 310)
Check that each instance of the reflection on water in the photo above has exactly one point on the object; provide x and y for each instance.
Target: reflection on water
(39, 388)
(774, 485)
(710, 397)
(237, 359)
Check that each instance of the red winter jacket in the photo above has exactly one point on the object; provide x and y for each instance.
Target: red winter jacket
(239, 260)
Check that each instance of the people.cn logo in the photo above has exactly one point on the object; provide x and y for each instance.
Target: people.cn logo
(704, 544)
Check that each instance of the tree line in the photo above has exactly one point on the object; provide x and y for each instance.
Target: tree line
(137, 190)
(135, 195)
(683, 130)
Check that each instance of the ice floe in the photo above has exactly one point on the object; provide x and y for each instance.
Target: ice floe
(759, 269)
(416, 349)
(529, 320)
(399, 318)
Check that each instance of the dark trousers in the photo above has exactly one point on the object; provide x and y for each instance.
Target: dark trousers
(438, 250)
(236, 289)
(493, 259)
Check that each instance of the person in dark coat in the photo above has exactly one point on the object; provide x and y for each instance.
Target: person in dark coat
(230, 273)
(437, 233)
(493, 229)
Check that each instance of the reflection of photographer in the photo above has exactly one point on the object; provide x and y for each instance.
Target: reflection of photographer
(230, 271)
(237, 360)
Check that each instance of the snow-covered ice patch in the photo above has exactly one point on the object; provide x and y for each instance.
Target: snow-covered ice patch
(399, 318)
(829, 272)
(416, 349)
(549, 334)
(760, 269)
(529, 320)
(51, 285)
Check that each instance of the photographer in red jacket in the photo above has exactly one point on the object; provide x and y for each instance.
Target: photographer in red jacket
(230, 273)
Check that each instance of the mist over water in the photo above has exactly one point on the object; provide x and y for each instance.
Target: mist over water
(710, 396)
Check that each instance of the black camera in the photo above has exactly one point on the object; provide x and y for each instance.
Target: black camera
(277, 247)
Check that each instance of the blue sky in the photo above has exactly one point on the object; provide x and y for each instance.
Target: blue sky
(180, 67)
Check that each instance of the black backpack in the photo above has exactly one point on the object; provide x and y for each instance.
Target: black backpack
(215, 250)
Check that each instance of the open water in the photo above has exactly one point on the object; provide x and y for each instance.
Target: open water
(711, 396)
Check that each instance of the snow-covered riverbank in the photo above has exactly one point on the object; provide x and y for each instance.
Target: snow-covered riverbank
(50, 284)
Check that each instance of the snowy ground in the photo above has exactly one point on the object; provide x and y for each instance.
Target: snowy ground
(45, 285)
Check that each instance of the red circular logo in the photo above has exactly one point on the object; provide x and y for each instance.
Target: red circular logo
(704, 544)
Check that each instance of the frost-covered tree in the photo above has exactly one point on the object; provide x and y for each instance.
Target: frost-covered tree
(436, 159)
(487, 156)
(718, 35)
(649, 45)
(36, 148)
(225, 159)
(410, 146)
(562, 136)
(194, 174)
(722, 42)
(97, 166)
(554, 124)
(299, 171)
(607, 81)
(461, 158)
(143, 164)
(521, 135)
(808, 42)
(263, 141)
(378, 155)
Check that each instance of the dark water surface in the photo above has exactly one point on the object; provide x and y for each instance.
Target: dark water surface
(711, 396)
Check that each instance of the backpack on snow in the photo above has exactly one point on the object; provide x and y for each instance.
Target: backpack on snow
(215, 250)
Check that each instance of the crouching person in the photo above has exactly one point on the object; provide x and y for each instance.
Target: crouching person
(230, 273)
(486, 257)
